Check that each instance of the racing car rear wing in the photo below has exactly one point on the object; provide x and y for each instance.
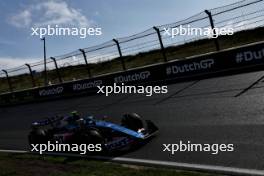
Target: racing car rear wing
(47, 121)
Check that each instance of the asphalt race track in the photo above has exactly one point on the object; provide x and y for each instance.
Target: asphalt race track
(219, 110)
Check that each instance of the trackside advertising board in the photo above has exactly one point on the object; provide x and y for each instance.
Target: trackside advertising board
(247, 58)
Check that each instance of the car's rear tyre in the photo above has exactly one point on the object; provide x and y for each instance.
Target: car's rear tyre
(132, 121)
(91, 136)
(38, 136)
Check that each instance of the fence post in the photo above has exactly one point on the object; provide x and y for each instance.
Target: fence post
(120, 54)
(57, 69)
(213, 28)
(31, 75)
(86, 62)
(8, 81)
(45, 62)
(161, 43)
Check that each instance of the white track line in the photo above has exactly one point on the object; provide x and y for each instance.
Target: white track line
(178, 165)
(13, 151)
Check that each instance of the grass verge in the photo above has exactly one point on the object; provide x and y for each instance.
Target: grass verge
(34, 165)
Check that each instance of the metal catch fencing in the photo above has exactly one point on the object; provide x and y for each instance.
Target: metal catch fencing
(151, 46)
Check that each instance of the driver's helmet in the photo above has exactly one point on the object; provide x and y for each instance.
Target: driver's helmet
(74, 113)
(73, 117)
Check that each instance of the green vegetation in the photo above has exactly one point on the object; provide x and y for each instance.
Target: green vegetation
(32, 165)
(140, 59)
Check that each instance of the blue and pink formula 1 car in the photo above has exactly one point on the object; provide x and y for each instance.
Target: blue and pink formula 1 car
(114, 138)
